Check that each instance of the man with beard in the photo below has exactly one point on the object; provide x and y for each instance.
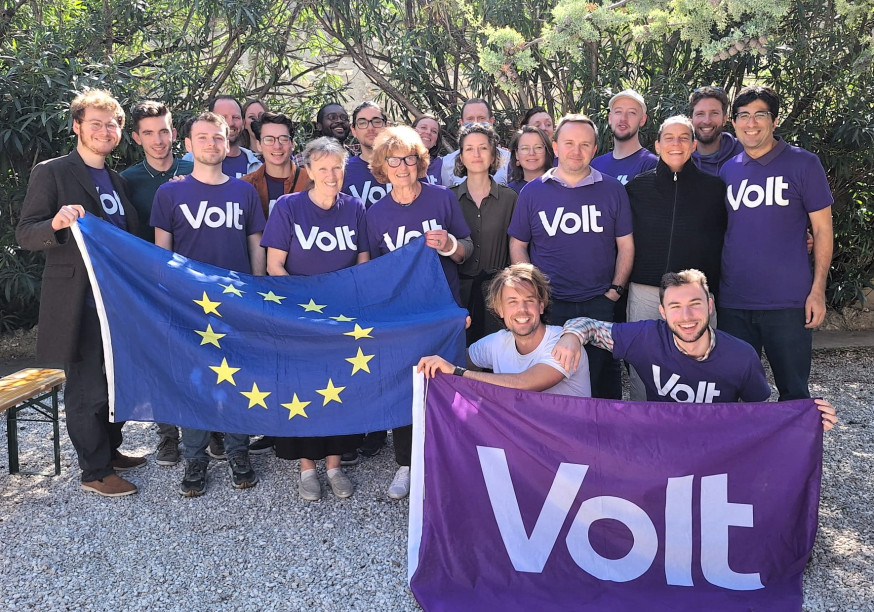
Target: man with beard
(708, 108)
(629, 158)
(239, 161)
(520, 355)
(368, 121)
(685, 359)
(333, 121)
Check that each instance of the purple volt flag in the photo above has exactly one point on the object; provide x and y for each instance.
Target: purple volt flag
(532, 501)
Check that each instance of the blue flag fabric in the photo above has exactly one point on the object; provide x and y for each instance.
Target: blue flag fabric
(198, 346)
(531, 501)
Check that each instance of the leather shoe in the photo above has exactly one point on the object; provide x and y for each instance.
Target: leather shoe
(123, 463)
(111, 485)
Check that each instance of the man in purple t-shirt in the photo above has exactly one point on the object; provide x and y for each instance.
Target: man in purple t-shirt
(239, 161)
(628, 158)
(368, 121)
(769, 296)
(708, 109)
(574, 223)
(684, 359)
(216, 219)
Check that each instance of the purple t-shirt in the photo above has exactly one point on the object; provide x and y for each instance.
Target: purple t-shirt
(236, 166)
(316, 240)
(275, 189)
(731, 373)
(359, 182)
(109, 200)
(765, 265)
(432, 176)
(210, 223)
(517, 185)
(391, 226)
(625, 169)
(571, 232)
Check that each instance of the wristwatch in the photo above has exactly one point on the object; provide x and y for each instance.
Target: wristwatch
(459, 371)
(618, 289)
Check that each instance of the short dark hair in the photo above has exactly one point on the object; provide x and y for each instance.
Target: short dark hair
(708, 91)
(144, 109)
(367, 104)
(320, 115)
(516, 172)
(520, 274)
(211, 106)
(268, 117)
(475, 101)
(250, 102)
(489, 132)
(679, 279)
(757, 92)
(534, 110)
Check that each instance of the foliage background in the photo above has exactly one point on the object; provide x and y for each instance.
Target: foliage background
(428, 56)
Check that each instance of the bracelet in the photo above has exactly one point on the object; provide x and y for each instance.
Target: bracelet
(459, 371)
(451, 251)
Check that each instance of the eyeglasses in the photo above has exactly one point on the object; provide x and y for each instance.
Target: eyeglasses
(409, 160)
(271, 140)
(526, 150)
(376, 122)
(744, 117)
(337, 117)
(96, 126)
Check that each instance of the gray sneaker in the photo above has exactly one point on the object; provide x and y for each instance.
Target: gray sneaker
(309, 487)
(242, 474)
(341, 485)
(168, 452)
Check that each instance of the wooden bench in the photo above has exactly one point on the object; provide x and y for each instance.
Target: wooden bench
(36, 389)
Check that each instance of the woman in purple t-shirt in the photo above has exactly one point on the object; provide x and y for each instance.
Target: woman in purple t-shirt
(413, 210)
(303, 237)
(428, 129)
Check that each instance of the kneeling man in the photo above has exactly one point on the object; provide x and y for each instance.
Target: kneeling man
(520, 356)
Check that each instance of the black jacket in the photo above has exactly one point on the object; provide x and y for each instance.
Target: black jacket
(679, 223)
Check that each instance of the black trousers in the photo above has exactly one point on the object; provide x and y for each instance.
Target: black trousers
(86, 403)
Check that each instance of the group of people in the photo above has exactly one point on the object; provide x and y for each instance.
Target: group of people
(541, 235)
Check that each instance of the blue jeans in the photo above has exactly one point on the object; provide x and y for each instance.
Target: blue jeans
(195, 441)
(604, 371)
(786, 342)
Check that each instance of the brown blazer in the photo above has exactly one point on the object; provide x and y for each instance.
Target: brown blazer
(298, 181)
(55, 183)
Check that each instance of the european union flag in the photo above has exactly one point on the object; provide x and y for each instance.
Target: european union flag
(199, 346)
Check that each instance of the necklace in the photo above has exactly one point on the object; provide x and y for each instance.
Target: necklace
(174, 168)
(417, 189)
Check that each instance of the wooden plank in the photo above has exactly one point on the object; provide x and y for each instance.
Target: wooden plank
(24, 384)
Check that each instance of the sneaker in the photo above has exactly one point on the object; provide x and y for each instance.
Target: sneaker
(400, 486)
(168, 452)
(216, 448)
(111, 485)
(262, 445)
(123, 463)
(194, 481)
(373, 443)
(242, 474)
(340, 484)
(309, 487)
(350, 458)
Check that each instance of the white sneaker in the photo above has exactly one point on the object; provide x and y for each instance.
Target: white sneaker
(400, 486)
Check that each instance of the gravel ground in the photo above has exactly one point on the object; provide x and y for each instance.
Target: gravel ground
(266, 549)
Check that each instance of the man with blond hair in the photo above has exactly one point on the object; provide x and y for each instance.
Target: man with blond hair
(60, 191)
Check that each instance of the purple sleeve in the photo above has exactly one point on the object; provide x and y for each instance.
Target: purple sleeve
(520, 226)
(255, 215)
(623, 214)
(372, 235)
(363, 237)
(457, 225)
(817, 192)
(160, 217)
(755, 387)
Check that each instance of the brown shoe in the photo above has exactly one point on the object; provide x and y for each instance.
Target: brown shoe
(110, 486)
(123, 463)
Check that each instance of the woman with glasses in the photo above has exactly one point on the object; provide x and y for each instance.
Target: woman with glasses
(428, 129)
(413, 210)
(531, 155)
(320, 209)
(487, 208)
(252, 111)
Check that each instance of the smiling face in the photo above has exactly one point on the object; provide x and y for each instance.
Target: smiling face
(520, 308)
(542, 121)
(675, 145)
(327, 173)
(626, 118)
(335, 122)
(277, 154)
(429, 131)
(366, 135)
(99, 133)
(230, 110)
(708, 119)
(756, 135)
(155, 135)
(403, 176)
(531, 153)
(575, 146)
(254, 111)
(687, 309)
(476, 153)
(208, 143)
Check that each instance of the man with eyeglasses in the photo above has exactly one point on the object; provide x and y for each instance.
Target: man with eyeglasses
(60, 191)
(333, 121)
(769, 295)
(708, 108)
(628, 158)
(475, 110)
(279, 174)
(368, 121)
(239, 161)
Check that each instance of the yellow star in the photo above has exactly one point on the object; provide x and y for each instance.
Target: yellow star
(360, 361)
(208, 306)
(343, 318)
(296, 407)
(330, 393)
(312, 306)
(358, 333)
(272, 297)
(209, 336)
(225, 372)
(256, 397)
(231, 289)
